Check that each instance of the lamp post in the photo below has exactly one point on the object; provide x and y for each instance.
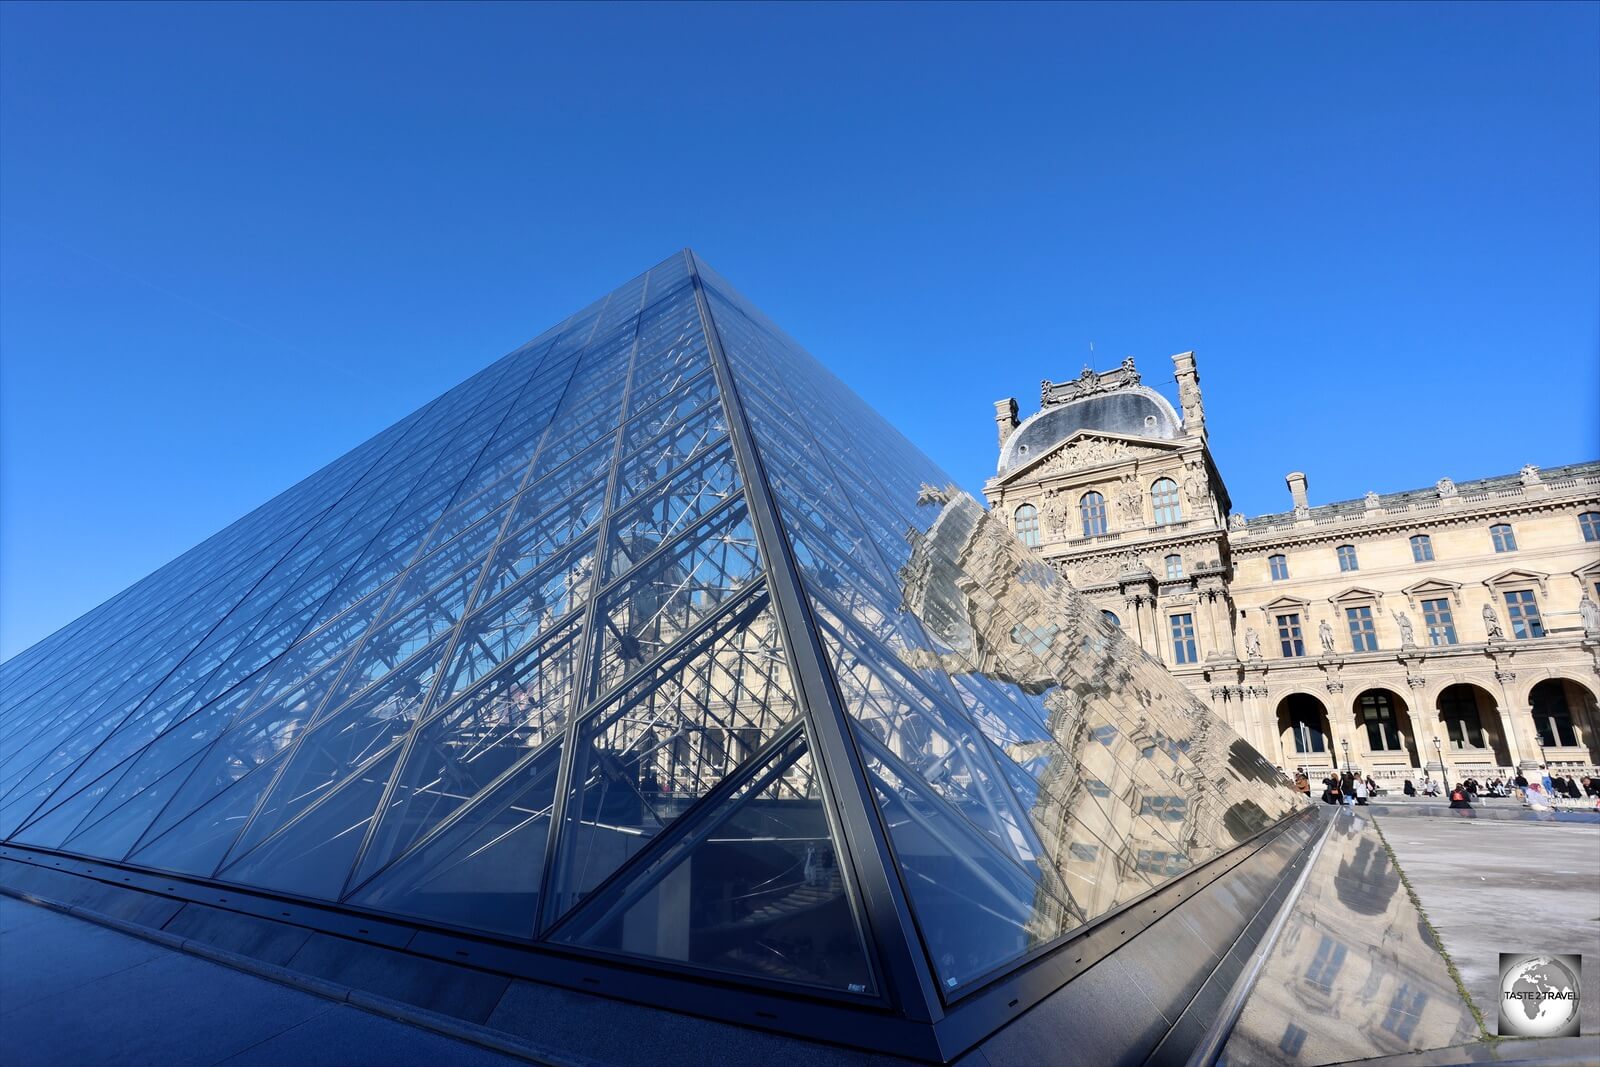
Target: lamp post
(1346, 743)
(1438, 748)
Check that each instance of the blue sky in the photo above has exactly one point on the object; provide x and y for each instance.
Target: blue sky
(237, 240)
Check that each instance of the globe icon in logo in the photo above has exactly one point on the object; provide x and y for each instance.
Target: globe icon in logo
(1538, 998)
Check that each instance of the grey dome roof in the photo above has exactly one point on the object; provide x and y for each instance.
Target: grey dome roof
(1133, 411)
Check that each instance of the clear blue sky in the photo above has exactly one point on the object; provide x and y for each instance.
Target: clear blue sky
(237, 240)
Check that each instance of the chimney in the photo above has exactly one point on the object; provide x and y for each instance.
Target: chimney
(1297, 489)
(1005, 417)
(1188, 377)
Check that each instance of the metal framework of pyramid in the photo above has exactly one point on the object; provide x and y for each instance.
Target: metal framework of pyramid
(650, 643)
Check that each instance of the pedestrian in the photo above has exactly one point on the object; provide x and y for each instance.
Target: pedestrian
(1347, 788)
(1362, 791)
(1591, 787)
(1545, 780)
(1410, 788)
(1302, 784)
(1458, 798)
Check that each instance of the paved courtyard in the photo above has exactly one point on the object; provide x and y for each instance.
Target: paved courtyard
(1490, 887)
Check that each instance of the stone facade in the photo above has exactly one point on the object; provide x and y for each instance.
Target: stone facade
(1454, 628)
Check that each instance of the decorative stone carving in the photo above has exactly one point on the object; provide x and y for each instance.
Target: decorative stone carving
(1325, 635)
(1505, 677)
(1589, 612)
(1491, 624)
(1258, 691)
(1130, 502)
(1407, 636)
(1090, 452)
(1530, 475)
(1057, 514)
(1370, 500)
(1252, 643)
(1416, 681)
(1335, 686)
(1236, 521)
(1446, 489)
(1089, 383)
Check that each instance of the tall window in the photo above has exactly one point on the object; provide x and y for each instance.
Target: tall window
(1305, 721)
(1092, 509)
(1183, 648)
(1363, 634)
(1377, 715)
(1289, 636)
(1440, 623)
(1280, 567)
(1504, 540)
(1027, 519)
(1174, 566)
(1164, 498)
(1347, 558)
(1589, 523)
(1523, 610)
(1552, 715)
(1422, 548)
(1458, 707)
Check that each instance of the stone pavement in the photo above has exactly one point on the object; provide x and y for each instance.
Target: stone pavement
(1493, 886)
(74, 994)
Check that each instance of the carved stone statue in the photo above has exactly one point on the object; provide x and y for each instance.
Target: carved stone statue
(1056, 514)
(1252, 643)
(1325, 633)
(1530, 476)
(1236, 521)
(1370, 500)
(1446, 488)
(1589, 611)
(1491, 624)
(1130, 502)
(1407, 637)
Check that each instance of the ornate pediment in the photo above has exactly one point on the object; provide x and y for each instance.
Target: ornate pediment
(1086, 449)
(1518, 575)
(1356, 594)
(1285, 603)
(1433, 588)
(1089, 383)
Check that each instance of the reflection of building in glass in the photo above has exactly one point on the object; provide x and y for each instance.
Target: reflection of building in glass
(1465, 612)
(643, 653)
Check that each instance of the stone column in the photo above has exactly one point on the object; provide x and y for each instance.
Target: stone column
(1522, 737)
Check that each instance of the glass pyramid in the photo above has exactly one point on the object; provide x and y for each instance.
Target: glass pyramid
(650, 642)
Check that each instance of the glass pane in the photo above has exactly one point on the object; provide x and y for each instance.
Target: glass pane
(754, 886)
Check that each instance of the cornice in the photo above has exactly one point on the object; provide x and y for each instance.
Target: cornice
(1250, 543)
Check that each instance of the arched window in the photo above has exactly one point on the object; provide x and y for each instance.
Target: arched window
(1503, 537)
(1589, 523)
(1347, 558)
(1092, 509)
(1280, 567)
(1552, 713)
(1377, 715)
(1164, 498)
(1458, 707)
(1111, 617)
(1174, 566)
(1027, 520)
(1305, 717)
(1422, 548)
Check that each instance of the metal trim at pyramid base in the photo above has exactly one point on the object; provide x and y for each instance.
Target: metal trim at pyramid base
(123, 893)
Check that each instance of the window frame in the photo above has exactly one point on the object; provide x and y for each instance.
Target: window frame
(1349, 560)
(1503, 537)
(1439, 621)
(1363, 638)
(1092, 514)
(1525, 625)
(1185, 649)
(1278, 567)
(1421, 548)
(1173, 565)
(1029, 536)
(1589, 525)
(1166, 503)
(1291, 635)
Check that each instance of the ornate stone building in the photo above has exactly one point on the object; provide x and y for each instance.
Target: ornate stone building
(1454, 628)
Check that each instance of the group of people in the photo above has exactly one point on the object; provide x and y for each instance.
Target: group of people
(1347, 788)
